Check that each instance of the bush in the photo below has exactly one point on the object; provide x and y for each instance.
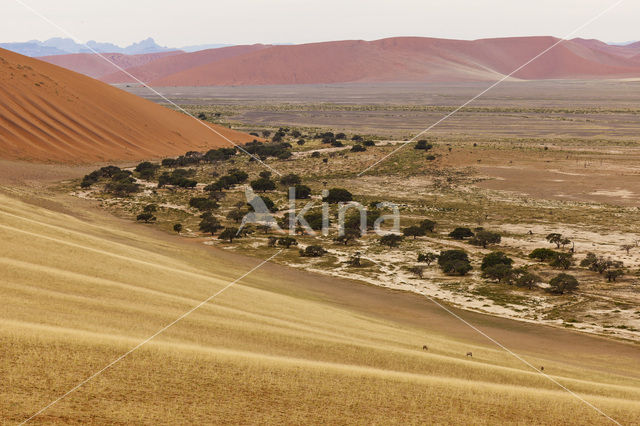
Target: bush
(423, 144)
(146, 169)
(302, 192)
(315, 154)
(391, 240)
(543, 254)
(312, 251)
(563, 283)
(290, 180)
(177, 227)
(358, 148)
(461, 233)
(495, 258)
(287, 242)
(428, 225)
(229, 234)
(268, 202)
(431, 157)
(369, 143)
(338, 195)
(146, 217)
(203, 204)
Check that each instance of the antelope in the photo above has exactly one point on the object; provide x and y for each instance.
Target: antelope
(470, 354)
(425, 348)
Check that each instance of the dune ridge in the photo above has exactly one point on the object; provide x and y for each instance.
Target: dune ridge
(50, 114)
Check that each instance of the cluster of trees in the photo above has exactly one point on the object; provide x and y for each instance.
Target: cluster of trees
(178, 177)
(611, 269)
(147, 170)
(280, 150)
(228, 181)
(121, 182)
(481, 237)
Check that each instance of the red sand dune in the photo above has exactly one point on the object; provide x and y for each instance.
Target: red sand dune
(51, 114)
(94, 66)
(176, 63)
(393, 59)
(406, 59)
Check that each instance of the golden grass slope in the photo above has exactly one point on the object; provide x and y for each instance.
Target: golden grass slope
(50, 114)
(79, 290)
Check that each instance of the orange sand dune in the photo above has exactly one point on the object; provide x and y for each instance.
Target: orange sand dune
(94, 66)
(50, 114)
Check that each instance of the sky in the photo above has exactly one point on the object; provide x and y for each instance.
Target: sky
(190, 22)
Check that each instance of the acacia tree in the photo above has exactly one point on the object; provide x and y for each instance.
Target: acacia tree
(427, 258)
(414, 231)
(563, 283)
(484, 238)
(229, 234)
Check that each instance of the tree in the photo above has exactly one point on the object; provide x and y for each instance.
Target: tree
(499, 272)
(454, 262)
(146, 217)
(272, 241)
(414, 231)
(563, 283)
(483, 238)
(418, 270)
(528, 279)
(391, 240)
(495, 258)
(287, 241)
(428, 225)
(562, 260)
(150, 208)
(349, 235)
(177, 227)
(209, 224)
(229, 234)
(146, 169)
(427, 258)
(236, 215)
(600, 264)
(290, 180)
(613, 274)
(338, 195)
(263, 185)
(543, 254)
(627, 247)
(312, 251)
(555, 238)
(302, 192)
(461, 233)
(265, 174)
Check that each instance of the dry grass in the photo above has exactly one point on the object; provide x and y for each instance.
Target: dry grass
(78, 293)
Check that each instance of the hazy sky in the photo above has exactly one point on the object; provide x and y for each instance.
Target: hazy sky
(179, 23)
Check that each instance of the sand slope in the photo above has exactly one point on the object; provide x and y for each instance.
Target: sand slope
(51, 114)
(392, 59)
(281, 346)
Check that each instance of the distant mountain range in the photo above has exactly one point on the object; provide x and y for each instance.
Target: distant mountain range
(65, 46)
